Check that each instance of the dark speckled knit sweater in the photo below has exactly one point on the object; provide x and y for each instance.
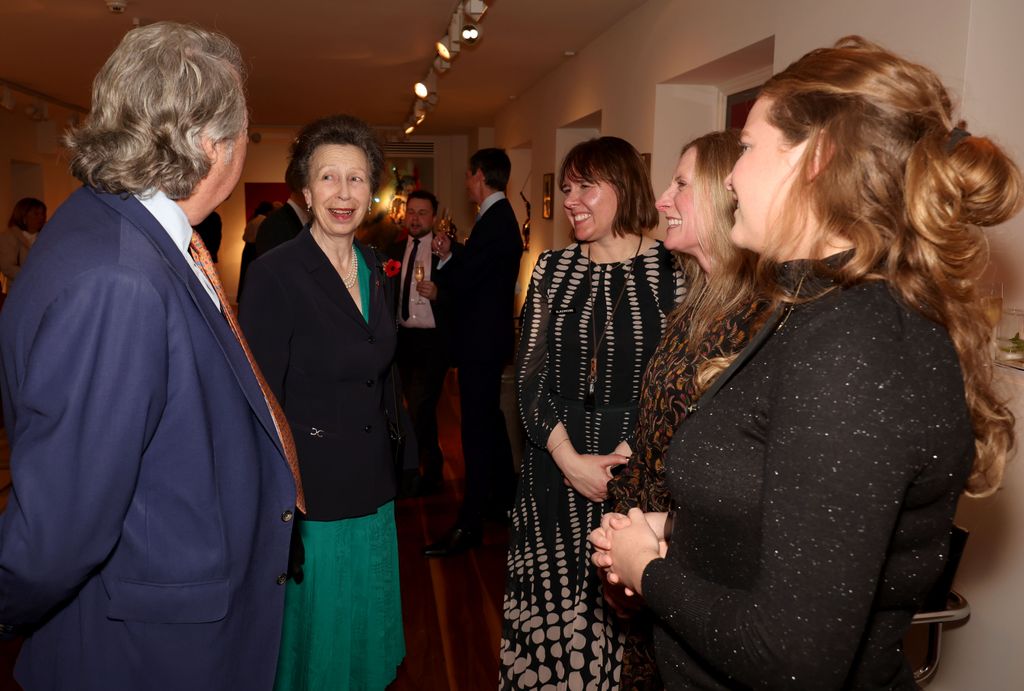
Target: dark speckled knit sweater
(815, 494)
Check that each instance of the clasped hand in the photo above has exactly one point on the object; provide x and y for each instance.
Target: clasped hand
(625, 544)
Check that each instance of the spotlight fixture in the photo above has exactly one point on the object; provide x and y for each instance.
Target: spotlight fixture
(409, 129)
(470, 34)
(474, 9)
(446, 49)
(441, 65)
(426, 86)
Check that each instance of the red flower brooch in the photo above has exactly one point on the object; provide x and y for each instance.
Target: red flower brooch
(392, 268)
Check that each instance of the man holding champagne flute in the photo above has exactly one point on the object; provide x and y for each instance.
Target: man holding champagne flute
(423, 349)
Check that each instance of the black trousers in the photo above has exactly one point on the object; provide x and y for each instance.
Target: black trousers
(423, 364)
(490, 474)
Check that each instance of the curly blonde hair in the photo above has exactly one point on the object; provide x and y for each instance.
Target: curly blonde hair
(163, 89)
(887, 168)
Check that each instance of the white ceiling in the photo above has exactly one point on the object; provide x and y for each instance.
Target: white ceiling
(308, 58)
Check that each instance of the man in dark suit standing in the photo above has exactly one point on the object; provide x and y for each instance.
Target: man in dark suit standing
(482, 279)
(145, 542)
(423, 335)
(280, 225)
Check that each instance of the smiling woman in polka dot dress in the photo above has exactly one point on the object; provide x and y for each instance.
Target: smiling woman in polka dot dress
(595, 312)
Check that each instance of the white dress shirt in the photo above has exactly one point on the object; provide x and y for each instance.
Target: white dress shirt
(420, 316)
(172, 219)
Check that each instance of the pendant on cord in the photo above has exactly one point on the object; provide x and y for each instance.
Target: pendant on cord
(591, 398)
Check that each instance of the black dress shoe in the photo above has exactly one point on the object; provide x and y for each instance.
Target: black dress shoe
(457, 540)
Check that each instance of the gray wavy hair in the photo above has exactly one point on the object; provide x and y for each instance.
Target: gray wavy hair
(165, 87)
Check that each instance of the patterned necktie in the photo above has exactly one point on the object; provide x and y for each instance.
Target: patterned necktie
(202, 257)
(407, 280)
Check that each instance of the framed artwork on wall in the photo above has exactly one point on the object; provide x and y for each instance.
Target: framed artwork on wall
(547, 208)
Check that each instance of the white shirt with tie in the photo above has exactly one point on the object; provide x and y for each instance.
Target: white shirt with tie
(421, 316)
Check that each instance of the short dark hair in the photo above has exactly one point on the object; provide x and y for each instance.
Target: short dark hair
(423, 194)
(495, 165)
(615, 162)
(21, 210)
(339, 130)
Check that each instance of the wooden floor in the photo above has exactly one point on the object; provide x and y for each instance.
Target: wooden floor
(451, 606)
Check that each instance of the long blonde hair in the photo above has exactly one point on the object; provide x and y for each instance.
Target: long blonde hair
(888, 169)
(730, 285)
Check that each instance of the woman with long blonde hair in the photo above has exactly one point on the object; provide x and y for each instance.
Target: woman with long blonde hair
(815, 486)
(713, 322)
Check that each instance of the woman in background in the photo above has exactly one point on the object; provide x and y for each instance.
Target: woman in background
(815, 490)
(319, 314)
(712, 323)
(594, 314)
(27, 219)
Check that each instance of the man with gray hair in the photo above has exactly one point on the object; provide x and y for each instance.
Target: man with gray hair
(145, 542)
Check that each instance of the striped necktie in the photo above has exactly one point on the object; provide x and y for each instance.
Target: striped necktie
(202, 257)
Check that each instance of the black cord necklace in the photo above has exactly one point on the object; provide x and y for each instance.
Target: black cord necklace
(596, 341)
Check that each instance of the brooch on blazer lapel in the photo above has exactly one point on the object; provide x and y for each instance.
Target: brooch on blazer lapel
(392, 268)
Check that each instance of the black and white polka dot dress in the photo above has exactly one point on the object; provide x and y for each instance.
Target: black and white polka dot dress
(557, 633)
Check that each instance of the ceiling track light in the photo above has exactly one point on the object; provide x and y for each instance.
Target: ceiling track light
(8, 101)
(426, 86)
(474, 9)
(470, 34)
(409, 129)
(446, 48)
(441, 65)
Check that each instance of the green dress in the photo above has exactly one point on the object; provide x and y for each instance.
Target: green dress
(342, 626)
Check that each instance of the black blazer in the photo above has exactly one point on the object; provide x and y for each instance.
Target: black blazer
(481, 278)
(330, 370)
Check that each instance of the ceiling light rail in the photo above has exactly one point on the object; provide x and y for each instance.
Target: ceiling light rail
(447, 48)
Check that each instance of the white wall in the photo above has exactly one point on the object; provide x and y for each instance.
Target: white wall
(629, 75)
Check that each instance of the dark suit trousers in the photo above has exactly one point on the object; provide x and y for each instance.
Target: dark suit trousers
(490, 475)
(422, 364)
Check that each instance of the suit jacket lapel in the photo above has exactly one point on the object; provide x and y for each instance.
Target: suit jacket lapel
(324, 275)
(133, 212)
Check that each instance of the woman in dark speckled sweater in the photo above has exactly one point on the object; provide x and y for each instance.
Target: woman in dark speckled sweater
(815, 489)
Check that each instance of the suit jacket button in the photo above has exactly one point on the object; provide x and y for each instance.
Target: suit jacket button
(369, 382)
(282, 579)
(287, 516)
(371, 339)
(367, 428)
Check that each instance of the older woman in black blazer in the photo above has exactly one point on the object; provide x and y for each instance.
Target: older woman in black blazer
(319, 316)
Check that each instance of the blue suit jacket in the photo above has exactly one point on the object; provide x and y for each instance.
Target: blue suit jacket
(147, 525)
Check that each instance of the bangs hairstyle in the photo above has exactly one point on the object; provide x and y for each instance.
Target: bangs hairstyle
(21, 210)
(163, 89)
(337, 130)
(615, 162)
(881, 171)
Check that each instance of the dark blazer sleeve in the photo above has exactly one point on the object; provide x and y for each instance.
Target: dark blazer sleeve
(265, 315)
(84, 434)
(393, 401)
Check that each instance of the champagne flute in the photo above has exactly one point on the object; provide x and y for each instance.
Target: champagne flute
(418, 273)
(992, 303)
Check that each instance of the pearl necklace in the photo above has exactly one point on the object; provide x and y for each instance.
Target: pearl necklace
(349, 279)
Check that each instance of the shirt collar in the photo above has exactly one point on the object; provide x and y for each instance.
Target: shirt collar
(490, 201)
(169, 215)
(299, 211)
